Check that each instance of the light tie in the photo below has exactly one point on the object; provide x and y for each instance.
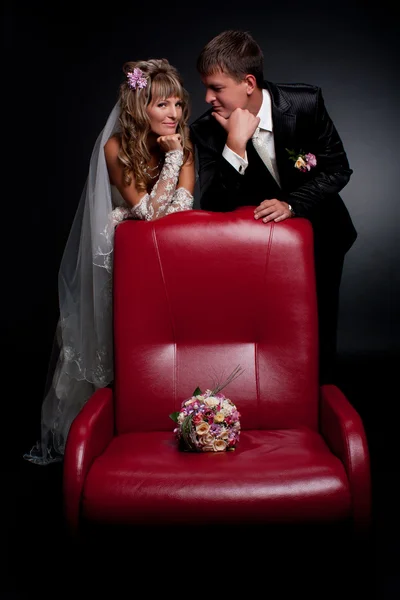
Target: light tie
(261, 146)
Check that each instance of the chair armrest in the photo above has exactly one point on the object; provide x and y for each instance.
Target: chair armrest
(343, 430)
(90, 433)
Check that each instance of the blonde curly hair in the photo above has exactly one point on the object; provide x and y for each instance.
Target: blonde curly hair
(163, 81)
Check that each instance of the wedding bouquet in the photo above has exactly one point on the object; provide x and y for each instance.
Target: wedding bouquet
(209, 421)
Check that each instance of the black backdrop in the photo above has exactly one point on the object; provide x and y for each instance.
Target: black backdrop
(63, 70)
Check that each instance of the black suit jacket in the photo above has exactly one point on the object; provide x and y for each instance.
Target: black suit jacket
(301, 123)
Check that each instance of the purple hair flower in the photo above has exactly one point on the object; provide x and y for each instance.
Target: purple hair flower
(136, 79)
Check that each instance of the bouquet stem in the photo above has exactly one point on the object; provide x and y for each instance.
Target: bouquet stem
(237, 371)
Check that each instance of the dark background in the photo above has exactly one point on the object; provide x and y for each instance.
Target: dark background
(63, 65)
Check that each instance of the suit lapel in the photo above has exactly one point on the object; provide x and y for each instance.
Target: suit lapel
(210, 133)
(284, 129)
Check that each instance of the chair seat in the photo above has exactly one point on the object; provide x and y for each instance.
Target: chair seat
(291, 474)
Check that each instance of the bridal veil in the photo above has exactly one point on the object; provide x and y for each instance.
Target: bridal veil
(82, 359)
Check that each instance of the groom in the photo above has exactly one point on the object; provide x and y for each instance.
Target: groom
(274, 147)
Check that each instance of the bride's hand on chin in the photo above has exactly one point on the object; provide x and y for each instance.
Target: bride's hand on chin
(170, 142)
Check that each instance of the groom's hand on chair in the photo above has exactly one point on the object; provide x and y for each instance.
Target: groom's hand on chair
(273, 210)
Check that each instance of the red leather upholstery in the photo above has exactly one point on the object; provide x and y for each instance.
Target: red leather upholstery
(195, 294)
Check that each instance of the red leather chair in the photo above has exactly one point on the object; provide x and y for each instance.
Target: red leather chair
(196, 294)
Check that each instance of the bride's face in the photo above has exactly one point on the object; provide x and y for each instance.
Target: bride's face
(164, 115)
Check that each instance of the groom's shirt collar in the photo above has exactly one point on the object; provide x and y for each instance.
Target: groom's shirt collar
(265, 112)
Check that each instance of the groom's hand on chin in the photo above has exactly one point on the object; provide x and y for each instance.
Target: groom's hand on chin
(221, 120)
(240, 127)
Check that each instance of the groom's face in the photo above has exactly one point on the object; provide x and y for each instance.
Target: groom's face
(225, 93)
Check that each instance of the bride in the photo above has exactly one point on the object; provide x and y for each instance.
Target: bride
(142, 167)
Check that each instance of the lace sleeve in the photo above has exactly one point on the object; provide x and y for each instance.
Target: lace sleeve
(156, 204)
(181, 200)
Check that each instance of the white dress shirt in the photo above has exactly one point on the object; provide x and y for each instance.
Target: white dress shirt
(263, 140)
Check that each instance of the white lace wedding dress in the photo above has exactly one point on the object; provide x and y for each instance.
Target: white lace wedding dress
(82, 358)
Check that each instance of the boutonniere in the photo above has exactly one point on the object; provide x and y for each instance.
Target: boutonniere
(302, 161)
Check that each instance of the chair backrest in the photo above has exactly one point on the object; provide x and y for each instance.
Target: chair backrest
(197, 293)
